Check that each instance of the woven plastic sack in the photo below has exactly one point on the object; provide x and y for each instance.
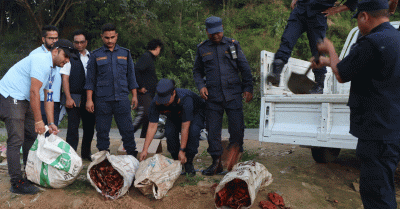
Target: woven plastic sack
(157, 175)
(52, 162)
(126, 165)
(254, 174)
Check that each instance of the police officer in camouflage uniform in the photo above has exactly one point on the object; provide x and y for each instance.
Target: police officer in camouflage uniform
(220, 59)
(111, 75)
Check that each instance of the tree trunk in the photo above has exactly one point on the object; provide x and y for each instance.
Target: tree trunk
(223, 6)
(2, 17)
(36, 24)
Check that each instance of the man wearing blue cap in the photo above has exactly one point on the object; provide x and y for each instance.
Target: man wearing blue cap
(185, 114)
(307, 16)
(220, 59)
(373, 67)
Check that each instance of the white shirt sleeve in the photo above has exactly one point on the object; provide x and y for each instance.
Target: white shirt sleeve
(66, 70)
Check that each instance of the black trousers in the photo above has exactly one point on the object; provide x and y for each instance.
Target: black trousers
(214, 115)
(121, 109)
(75, 115)
(297, 24)
(20, 125)
(142, 118)
(57, 109)
(173, 128)
(379, 160)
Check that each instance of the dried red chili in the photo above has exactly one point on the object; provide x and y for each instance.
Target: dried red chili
(265, 204)
(235, 194)
(276, 199)
(107, 179)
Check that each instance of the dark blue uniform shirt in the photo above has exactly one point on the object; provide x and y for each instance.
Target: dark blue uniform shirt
(110, 74)
(190, 104)
(215, 62)
(373, 67)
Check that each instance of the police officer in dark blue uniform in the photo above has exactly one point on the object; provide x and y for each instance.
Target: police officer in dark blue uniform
(307, 16)
(373, 67)
(185, 114)
(111, 75)
(220, 59)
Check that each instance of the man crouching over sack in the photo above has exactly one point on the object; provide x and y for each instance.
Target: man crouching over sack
(185, 113)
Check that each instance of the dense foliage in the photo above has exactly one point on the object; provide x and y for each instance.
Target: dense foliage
(256, 24)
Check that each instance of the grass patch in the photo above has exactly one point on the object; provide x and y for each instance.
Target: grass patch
(3, 138)
(79, 187)
(248, 155)
(191, 180)
(204, 153)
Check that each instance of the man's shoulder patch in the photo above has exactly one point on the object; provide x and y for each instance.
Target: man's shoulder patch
(125, 49)
(198, 45)
(96, 50)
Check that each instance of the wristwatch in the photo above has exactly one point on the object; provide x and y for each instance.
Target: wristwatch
(182, 149)
(51, 124)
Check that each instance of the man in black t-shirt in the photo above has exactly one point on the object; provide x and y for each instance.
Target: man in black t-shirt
(146, 78)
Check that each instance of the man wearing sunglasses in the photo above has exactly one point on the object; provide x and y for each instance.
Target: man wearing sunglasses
(49, 37)
(20, 106)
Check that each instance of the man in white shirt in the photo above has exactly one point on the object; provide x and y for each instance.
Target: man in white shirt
(73, 80)
(20, 106)
(49, 37)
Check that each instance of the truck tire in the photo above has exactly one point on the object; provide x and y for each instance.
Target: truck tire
(324, 154)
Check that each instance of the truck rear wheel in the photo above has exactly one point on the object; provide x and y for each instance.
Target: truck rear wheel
(324, 154)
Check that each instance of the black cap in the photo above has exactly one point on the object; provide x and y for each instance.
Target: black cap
(214, 25)
(165, 88)
(371, 5)
(67, 47)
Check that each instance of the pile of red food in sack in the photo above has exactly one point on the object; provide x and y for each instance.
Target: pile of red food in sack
(275, 202)
(106, 178)
(235, 194)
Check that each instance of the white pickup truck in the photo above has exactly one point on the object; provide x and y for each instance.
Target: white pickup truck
(318, 121)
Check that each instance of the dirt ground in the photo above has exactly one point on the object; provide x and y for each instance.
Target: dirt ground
(301, 182)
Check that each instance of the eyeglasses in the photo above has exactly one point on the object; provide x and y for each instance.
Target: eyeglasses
(79, 42)
(52, 38)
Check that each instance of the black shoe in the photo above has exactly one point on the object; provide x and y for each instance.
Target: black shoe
(274, 77)
(189, 168)
(215, 167)
(23, 186)
(318, 88)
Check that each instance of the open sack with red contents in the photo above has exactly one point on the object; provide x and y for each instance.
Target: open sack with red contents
(112, 175)
(238, 188)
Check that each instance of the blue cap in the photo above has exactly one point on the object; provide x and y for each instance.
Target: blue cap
(164, 89)
(214, 25)
(371, 5)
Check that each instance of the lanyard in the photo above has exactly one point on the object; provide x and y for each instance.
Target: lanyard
(50, 92)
